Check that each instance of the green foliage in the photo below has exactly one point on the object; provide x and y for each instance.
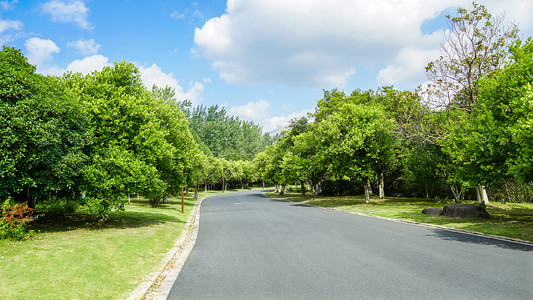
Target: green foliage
(42, 133)
(14, 220)
(140, 139)
(224, 136)
(357, 141)
(493, 143)
(56, 206)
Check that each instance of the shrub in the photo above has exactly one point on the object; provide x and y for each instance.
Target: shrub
(15, 219)
(57, 207)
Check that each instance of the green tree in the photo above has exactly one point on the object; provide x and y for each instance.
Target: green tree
(133, 131)
(494, 142)
(42, 134)
(358, 143)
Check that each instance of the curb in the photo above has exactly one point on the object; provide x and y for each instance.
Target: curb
(474, 233)
(157, 285)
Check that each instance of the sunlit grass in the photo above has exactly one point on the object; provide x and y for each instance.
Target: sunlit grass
(78, 257)
(513, 220)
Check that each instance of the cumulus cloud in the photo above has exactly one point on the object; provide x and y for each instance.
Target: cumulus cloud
(153, 75)
(70, 11)
(254, 111)
(407, 67)
(85, 47)
(324, 43)
(280, 123)
(8, 24)
(310, 43)
(88, 64)
(40, 50)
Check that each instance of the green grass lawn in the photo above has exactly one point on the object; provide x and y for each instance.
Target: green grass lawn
(513, 220)
(78, 257)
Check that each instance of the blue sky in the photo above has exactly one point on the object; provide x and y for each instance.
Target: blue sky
(264, 60)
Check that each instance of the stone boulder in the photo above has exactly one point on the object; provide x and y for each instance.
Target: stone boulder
(466, 211)
(434, 211)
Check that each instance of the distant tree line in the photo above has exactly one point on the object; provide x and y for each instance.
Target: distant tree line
(223, 136)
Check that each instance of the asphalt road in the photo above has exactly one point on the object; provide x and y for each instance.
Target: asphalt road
(251, 247)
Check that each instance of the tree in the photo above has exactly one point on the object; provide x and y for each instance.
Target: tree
(42, 134)
(134, 132)
(309, 160)
(476, 44)
(494, 143)
(224, 136)
(357, 141)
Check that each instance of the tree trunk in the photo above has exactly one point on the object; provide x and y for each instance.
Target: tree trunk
(458, 193)
(381, 186)
(368, 190)
(30, 199)
(482, 194)
(302, 186)
(427, 193)
(165, 199)
(196, 192)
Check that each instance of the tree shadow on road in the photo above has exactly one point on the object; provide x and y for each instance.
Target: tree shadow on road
(480, 240)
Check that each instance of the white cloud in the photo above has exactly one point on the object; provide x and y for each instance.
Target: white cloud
(280, 123)
(8, 24)
(310, 43)
(70, 11)
(324, 43)
(88, 64)
(407, 67)
(177, 15)
(517, 11)
(40, 50)
(86, 47)
(8, 5)
(153, 75)
(252, 110)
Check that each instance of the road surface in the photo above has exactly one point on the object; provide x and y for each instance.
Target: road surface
(252, 247)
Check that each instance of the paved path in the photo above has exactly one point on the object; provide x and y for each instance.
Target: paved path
(251, 247)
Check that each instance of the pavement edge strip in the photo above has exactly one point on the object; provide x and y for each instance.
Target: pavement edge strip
(157, 285)
(474, 233)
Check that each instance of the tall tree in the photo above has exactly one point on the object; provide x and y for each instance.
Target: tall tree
(42, 133)
(357, 141)
(477, 44)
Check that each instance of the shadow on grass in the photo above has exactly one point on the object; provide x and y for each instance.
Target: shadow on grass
(116, 220)
(479, 240)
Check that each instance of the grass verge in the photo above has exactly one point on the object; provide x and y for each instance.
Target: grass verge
(514, 220)
(78, 257)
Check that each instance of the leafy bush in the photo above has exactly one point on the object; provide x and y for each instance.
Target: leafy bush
(15, 219)
(57, 207)
(101, 207)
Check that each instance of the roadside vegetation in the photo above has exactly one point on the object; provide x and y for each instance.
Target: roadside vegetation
(76, 256)
(466, 135)
(514, 220)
